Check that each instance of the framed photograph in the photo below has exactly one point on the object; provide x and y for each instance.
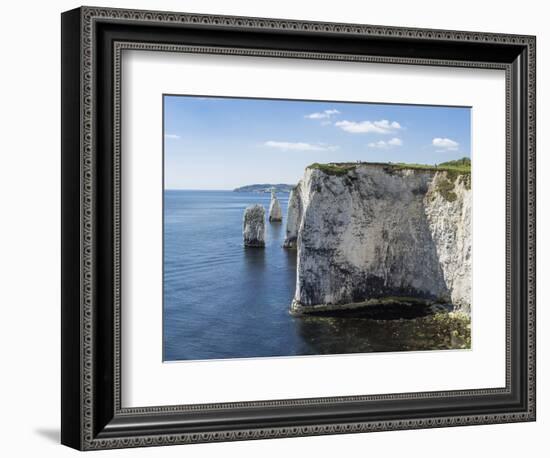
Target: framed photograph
(276, 228)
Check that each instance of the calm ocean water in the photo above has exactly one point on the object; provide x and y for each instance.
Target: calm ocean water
(222, 300)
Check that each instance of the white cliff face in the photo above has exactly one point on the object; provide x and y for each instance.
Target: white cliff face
(275, 212)
(450, 224)
(375, 231)
(254, 226)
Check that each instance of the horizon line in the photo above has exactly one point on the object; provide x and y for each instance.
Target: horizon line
(201, 189)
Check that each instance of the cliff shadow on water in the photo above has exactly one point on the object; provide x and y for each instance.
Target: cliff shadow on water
(355, 334)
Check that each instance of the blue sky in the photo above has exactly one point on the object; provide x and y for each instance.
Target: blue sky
(223, 143)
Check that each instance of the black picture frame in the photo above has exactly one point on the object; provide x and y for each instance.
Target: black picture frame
(92, 40)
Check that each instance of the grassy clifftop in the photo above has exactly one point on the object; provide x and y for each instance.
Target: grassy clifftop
(454, 168)
(460, 168)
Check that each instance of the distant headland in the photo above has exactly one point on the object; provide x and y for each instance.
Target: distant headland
(265, 188)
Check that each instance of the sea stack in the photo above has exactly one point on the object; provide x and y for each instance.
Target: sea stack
(275, 213)
(293, 218)
(254, 226)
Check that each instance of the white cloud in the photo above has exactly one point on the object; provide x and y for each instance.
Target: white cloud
(379, 144)
(172, 136)
(445, 144)
(383, 144)
(299, 146)
(326, 114)
(395, 142)
(365, 127)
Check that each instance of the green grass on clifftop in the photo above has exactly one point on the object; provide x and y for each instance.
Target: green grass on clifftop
(459, 168)
(454, 168)
(334, 168)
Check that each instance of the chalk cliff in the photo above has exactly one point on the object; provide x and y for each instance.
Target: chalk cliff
(366, 232)
(254, 226)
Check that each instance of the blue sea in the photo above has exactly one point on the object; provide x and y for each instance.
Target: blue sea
(222, 300)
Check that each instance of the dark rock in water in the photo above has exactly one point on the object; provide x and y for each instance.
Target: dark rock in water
(275, 212)
(254, 226)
